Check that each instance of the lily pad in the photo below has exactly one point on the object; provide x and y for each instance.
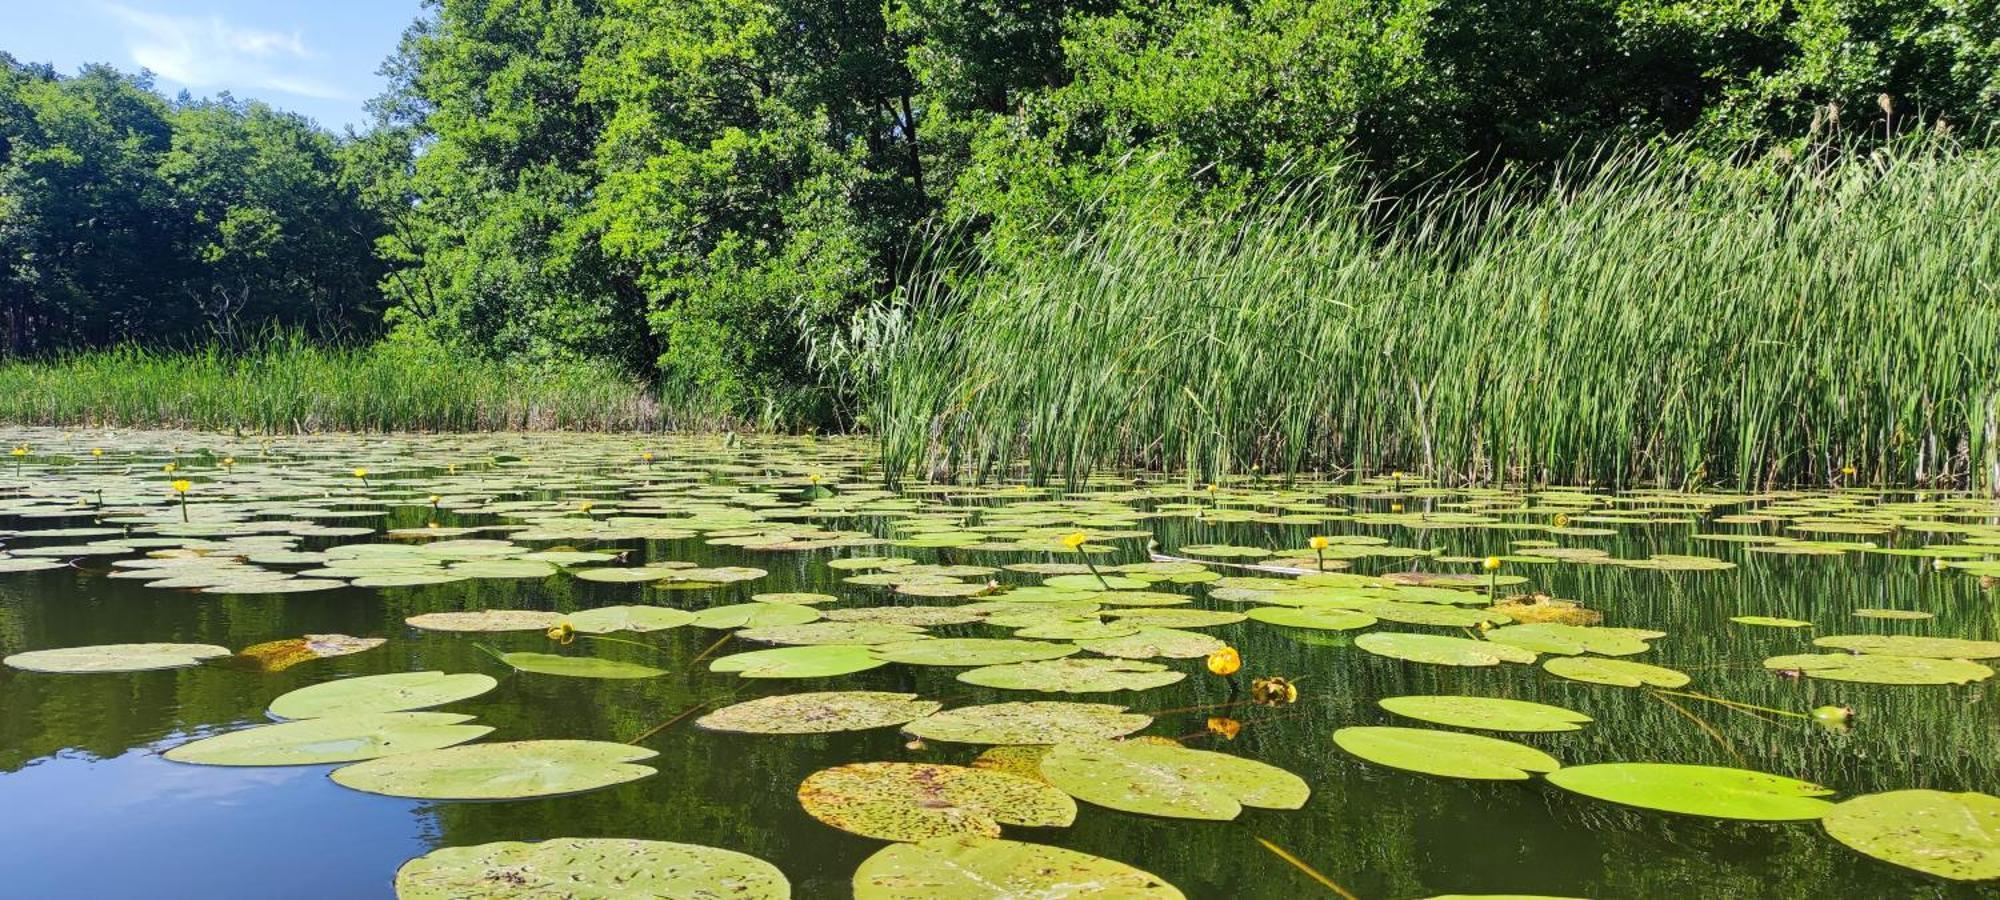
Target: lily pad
(1168, 780)
(1095, 583)
(1770, 622)
(509, 770)
(819, 712)
(1485, 713)
(577, 666)
(332, 739)
(897, 801)
(394, 692)
(1447, 753)
(1029, 722)
(1713, 791)
(1875, 668)
(1615, 672)
(485, 621)
(277, 656)
(1911, 645)
(1152, 643)
(114, 658)
(968, 866)
(1325, 618)
(1570, 640)
(589, 869)
(1440, 650)
(823, 661)
(754, 615)
(607, 619)
(1949, 835)
(832, 633)
(1073, 676)
(970, 651)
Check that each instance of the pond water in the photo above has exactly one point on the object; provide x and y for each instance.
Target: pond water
(90, 806)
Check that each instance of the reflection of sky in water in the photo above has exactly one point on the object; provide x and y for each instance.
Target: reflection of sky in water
(74, 826)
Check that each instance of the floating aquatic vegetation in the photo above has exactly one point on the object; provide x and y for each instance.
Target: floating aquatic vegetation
(485, 621)
(608, 619)
(1615, 672)
(897, 801)
(1073, 676)
(822, 661)
(1570, 640)
(331, 739)
(589, 867)
(395, 692)
(1485, 713)
(114, 658)
(1713, 791)
(1166, 780)
(970, 651)
(575, 666)
(1877, 668)
(969, 866)
(819, 712)
(510, 770)
(1447, 753)
(1029, 722)
(277, 656)
(1441, 650)
(1770, 622)
(1950, 835)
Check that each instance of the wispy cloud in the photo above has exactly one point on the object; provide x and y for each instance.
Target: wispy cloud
(209, 52)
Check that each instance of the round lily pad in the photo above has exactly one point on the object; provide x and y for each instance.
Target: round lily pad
(1029, 722)
(919, 616)
(1326, 618)
(1168, 780)
(509, 770)
(1485, 713)
(395, 692)
(1447, 753)
(754, 615)
(1570, 640)
(1095, 583)
(114, 658)
(819, 712)
(971, 866)
(1949, 835)
(970, 651)
(1151, 643)
(589, 869)
(1073, 676)
(1440, 650)
(607, 619)
(1903, 615)
(577, 666)
(1876, 668)
(1771, 621)
(485, 620)
(1911, 645)
(1615, 672)
(798, 597)
(832, 633)
(897, 801)
(331, 739)
(822, 661)
(1714, 791)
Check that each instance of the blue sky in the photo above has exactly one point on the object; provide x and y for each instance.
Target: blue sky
(316, 57)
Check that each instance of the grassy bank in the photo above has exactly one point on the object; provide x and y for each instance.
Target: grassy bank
(289, 385)
(1650, 324)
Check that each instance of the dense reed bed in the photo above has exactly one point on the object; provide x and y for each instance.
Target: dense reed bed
(1649, 323)
(289, 385)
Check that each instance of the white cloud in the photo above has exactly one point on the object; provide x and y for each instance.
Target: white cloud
(208, 52)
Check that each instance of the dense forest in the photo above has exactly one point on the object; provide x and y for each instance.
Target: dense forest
(704, 193)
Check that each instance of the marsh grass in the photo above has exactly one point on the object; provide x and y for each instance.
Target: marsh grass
(1649, 323)
(289, 385)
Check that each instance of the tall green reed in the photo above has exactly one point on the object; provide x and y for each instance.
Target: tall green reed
(1642, 320)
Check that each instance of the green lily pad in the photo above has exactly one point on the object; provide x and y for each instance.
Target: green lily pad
(1095, 583)
(1910, 645)
(485, 621)
(754, 615)
(504, 568)
(897, 801)
(832, 633)
(607, 619)
(1903, 615)
(1485, 713)
(1323, 618)
(1082, 629)
(1167, 780)
(1713, 791)
(819, 712)
(114, 658)
(1447, 753)
(824, 661)
(1432, 614)
(395, 692)
(1440, 650)
(510, 770)
(796, 597)
(970, 651)
(1615, 672)
(1570, 640)
(968, 866)
(1152, 643)
(628, 575)
(1073, 676)
(577, 666)
(919, 616)
(1771, 622)
(1874, 668)
(1029, 722)
(1949, 835)
(589, 869)
(331, 739)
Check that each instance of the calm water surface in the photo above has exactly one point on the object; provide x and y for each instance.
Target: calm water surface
(90, 808)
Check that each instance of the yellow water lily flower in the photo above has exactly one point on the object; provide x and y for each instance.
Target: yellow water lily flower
(1562, 520)
(21, 450)
(97, 451)
(562, 633)
(1848, 470)
(181, 485)
(814, 478)
(361, 473)
(1273, 691)
(435, 500)
(1225, 662)
(1395, 507)
(170, 467)
(1075, 540)
(1492, 563)
(228, 461)
(1224, 727)
(1319, 542)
